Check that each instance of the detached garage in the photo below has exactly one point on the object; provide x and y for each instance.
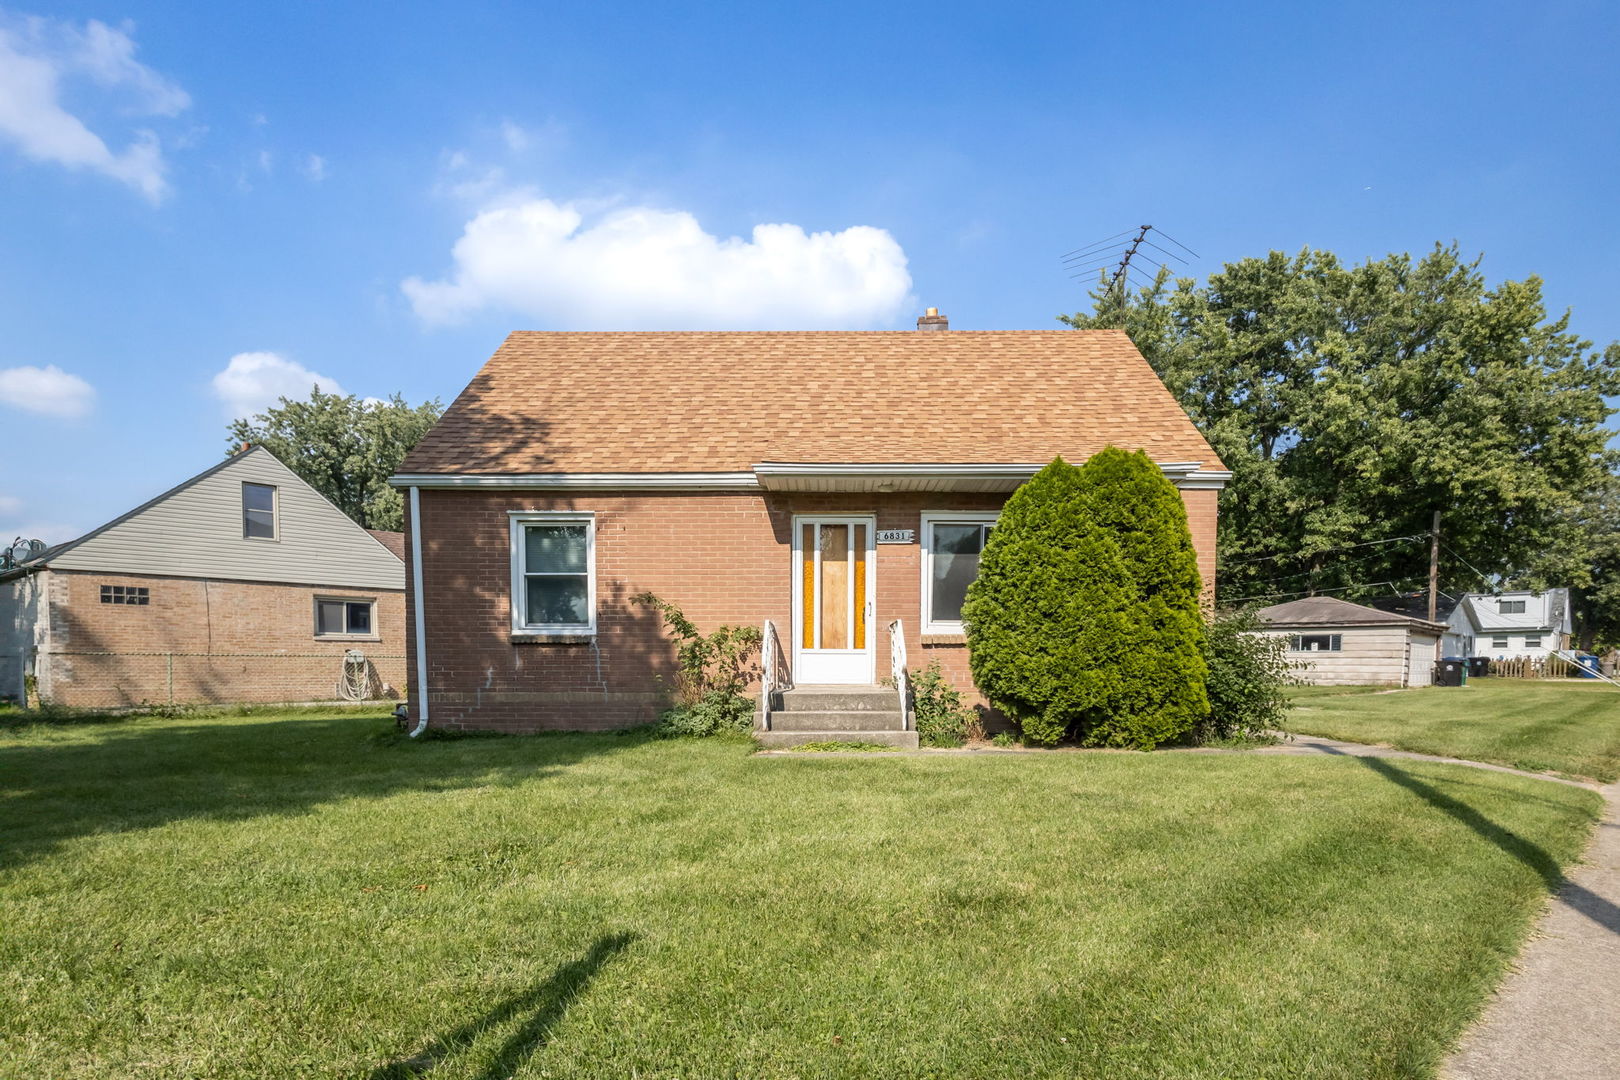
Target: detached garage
(1337, 643)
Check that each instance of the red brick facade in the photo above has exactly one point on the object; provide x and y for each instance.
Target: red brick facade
(722, 558)
(198, 641)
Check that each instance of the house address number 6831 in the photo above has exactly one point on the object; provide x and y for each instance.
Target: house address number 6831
(896, 536)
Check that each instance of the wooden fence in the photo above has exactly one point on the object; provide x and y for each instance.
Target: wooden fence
(1524, 667)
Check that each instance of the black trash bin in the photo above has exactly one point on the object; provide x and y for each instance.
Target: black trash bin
(1452, 671)
(1479, 667)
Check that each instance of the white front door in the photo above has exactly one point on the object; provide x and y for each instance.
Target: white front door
(832, 599)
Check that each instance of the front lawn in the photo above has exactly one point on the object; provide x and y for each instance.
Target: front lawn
(305, 896)
(1568, 727)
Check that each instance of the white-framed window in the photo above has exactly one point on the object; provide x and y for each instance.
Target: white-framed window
(1499, 642)
(952, 542)
(553, 572)
(1317, 643)
(1532, 641)
(345, 616)
(1510, 607)
(258, 511)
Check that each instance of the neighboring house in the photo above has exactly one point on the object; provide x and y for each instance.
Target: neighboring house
(1335, 642)
(241, 584)
(1509, 625)
(830, 482)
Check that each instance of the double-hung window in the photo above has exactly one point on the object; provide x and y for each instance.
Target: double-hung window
(1500, 641)
(1510, 607)
(553, 573)
(951, 546)
(258, 512)
(1532, 641)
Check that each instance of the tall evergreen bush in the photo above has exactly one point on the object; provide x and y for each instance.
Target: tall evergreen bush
(1047, 613)
(1159, 665)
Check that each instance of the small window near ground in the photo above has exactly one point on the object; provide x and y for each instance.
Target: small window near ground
(553, 574)
(138, 595)
(258, 512)
(1532, 642)
(952, 545)
(1499, 642)
(1510, 607)
(1317, 643)
(343, 618)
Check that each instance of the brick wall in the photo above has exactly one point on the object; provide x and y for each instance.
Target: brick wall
(722, 558)
(204, 642)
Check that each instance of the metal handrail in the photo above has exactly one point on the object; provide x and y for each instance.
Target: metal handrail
(897, 669)
(771, 657)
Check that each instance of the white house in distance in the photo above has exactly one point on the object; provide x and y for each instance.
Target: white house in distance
(1337, 643)
(1509, 625)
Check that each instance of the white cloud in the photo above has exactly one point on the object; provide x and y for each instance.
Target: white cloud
(254, 381)
(314, 168)
(639, 266)
(37, 55)
(516, 139)
(48, 390)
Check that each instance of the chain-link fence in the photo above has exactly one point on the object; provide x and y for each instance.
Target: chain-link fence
(93, 680)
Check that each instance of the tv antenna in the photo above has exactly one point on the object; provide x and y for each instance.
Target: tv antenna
(19, 552)
(1120, 258)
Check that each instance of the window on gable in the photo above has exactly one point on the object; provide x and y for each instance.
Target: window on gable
(1510, 607)
(134, 595)
(952, 544)
(1317, 643)
(258, 512)
(344, 618)
(553, 573)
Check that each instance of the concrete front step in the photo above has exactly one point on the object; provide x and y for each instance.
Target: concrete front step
(852, 720)
(836, 699)
(778, 739)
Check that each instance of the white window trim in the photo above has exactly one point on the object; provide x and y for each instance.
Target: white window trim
(517, 520)
(315, 616)
(926, 561)
(275, 513)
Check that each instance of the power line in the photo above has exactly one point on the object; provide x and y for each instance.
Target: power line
(1483, 576)
(1322, 551)
(1394, 586)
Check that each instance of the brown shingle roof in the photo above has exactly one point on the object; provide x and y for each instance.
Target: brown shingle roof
(722, 401)
(393, 541)
(1331, 611)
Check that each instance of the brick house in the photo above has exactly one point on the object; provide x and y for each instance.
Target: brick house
(242, 584)
(836, 484)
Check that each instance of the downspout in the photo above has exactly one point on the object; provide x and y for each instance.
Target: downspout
(420, 616)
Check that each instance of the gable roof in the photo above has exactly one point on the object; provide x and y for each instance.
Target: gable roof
(1331, 611)
(721, 402)
(393, 541)
(1545, 611)
(194, 529)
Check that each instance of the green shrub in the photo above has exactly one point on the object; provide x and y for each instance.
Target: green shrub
(1249, 676)
(711, 673)
(1006, 740)
(1045, 616)
(942, 717)
(1159, 686)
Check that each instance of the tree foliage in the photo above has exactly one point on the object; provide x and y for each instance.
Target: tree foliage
(1351, 402)
(1046, 615)
(1249, 674)
(344, 447)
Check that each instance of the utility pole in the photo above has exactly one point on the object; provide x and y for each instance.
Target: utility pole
(1434, 568)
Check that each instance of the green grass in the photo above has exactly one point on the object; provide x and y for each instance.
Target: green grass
(309, 896)
(1305, 693)
(1567, 727)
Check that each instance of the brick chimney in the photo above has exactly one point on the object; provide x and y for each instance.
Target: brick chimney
(933, 320)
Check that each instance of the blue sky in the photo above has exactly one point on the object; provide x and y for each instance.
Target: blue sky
(201, 205)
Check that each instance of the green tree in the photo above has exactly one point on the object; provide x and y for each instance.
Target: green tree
(1159, 669)
(1351, 402)
(1046, 616)
(1595, 597)
(344, 447)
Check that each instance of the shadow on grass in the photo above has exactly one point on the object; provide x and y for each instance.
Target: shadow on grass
(1600, 910)
(149, 773)
(549, 1002)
